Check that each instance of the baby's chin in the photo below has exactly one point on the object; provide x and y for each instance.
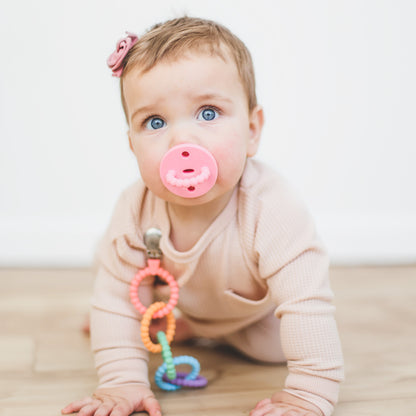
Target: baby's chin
(210, 197)
(188, 202)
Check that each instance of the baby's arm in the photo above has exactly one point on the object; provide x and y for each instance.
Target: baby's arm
(120, 357)
(309, 334)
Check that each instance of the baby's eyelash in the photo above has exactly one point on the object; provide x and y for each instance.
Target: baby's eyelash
(204, 107)
(146, 119)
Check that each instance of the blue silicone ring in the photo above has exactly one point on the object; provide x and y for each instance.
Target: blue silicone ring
(183, 359)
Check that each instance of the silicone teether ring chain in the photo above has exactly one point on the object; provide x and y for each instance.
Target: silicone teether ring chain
(166, 376)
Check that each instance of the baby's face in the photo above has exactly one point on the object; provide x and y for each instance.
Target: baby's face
(198, 100)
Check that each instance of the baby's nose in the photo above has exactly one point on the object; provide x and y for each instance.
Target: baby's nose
(188, 170)
(182, 132)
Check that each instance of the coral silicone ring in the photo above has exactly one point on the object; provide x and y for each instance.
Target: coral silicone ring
(153, 269)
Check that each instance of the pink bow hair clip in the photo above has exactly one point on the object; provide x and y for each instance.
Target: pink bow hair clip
(115, 60)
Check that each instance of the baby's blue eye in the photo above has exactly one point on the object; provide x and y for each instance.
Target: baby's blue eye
(155, 123)
(208, 114)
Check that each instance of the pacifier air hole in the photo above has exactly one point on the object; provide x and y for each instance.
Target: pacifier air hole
(188, 171)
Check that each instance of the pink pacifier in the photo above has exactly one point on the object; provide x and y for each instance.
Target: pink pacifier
(188, 170)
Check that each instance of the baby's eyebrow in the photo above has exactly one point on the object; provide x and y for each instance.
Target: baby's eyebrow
(144, 109)
(213, 96)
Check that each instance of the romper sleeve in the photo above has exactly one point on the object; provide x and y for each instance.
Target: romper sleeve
(293, 262)
(119, 354)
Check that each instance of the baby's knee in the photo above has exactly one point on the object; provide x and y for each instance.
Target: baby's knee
(265, 353)
(259, 343)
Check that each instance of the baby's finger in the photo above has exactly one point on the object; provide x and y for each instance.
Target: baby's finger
(76, 406)
(104, 410)
(152, 406)
(89, 409)
(262, 403)
(293, 413)
(268, 409)
(121, 409)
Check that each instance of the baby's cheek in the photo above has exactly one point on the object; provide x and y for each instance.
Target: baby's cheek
(229, 144)
(231, 165)
(149, 168)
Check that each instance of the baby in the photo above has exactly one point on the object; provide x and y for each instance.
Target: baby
(251, 270)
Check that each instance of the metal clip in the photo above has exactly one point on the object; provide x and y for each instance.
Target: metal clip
(151, 240)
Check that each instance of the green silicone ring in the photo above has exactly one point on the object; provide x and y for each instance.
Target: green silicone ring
(167, 355)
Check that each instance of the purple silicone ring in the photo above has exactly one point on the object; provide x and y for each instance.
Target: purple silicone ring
(181, 380)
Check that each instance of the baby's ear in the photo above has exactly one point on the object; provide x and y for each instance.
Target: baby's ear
(256, 126)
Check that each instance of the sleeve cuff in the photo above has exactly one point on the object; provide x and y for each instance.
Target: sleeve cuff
(122, 372)
(319, 391)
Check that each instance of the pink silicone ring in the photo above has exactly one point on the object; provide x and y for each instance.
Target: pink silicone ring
(188, 170)
(153, 269)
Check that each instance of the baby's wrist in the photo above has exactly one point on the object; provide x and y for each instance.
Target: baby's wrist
(130, 384)
(285, 397)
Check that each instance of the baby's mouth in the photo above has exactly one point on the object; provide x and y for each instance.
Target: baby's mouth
(188, 170)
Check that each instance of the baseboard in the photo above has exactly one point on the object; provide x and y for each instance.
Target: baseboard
(71, 242)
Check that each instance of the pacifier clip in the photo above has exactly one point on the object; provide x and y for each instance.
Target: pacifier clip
(166, 376)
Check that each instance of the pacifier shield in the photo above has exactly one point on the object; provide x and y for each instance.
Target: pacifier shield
(188, 170)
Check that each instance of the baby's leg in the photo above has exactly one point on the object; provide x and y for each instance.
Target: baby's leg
(259, 341)
(183, 331)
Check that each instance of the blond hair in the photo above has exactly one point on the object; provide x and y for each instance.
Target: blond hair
(173, 38)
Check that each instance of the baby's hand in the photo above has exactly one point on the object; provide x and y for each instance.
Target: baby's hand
(119, 401)
(284, 404)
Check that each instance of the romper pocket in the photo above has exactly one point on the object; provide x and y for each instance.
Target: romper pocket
(242, 307)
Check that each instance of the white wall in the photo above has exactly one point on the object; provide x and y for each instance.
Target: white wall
(336, 78)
